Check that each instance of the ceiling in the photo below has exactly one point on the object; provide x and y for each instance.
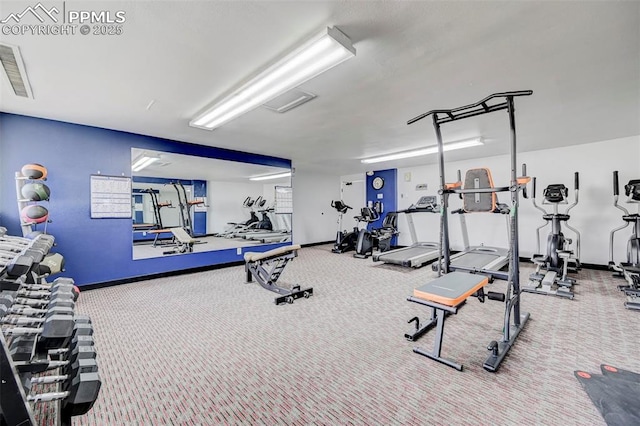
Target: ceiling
(581, 59)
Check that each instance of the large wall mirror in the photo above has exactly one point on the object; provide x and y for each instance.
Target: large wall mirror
(218, 204)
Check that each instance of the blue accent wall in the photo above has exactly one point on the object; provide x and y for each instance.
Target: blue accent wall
(388, 195)
(199, 224)
(95, 250)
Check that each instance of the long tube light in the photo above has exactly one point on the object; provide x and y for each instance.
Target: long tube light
(267, 177)
(143, 161)
(426, 151)
(321, 53)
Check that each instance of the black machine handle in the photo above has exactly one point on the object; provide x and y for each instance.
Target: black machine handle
(492, 295)
(534, 188)
(524, 173)
(616, 189)
(577, 181)
(333, 204)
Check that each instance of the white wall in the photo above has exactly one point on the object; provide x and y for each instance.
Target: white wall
(594, 216)
(314, 220)
(353, 195)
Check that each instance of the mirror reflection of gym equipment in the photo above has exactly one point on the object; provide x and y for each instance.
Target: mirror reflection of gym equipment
(205, 213)
(630, 268)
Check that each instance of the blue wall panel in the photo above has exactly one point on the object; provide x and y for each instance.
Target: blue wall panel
(96, 250)
(388, 195)
(199, 218)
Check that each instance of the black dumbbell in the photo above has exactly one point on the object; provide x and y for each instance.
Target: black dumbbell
(81, 392)
(59, 300)
(82, 329)
(79, 397)
(60, 290)
(53, 327)
(32, 312)
(22, 348)
(31, 321)
(43, 285)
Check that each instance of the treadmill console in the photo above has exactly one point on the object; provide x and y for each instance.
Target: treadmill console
(426, 201)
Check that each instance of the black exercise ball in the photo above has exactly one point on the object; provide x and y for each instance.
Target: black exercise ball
(36, 191)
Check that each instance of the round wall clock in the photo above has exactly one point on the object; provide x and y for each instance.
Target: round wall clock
(377, 183)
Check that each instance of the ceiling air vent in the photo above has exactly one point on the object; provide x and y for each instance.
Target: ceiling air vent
(289, 100)
(14, 70)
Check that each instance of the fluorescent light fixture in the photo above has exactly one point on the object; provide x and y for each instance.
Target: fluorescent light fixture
(267, 177)
(319, 54)
(426, 151)
(143, 161)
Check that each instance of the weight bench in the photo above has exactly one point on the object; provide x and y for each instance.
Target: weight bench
(267, 267)
(444, 296)
(157, 233)
(184, 241)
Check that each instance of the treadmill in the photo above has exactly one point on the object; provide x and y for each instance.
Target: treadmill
(479, 259)
(418, 253)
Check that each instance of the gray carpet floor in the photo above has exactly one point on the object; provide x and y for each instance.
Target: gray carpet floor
(209, 349)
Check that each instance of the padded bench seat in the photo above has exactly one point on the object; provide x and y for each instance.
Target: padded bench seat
(444, 296)
(451, 289)
(254, 256)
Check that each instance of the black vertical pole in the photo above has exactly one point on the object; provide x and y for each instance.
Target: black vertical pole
(444, 223)
(515, 252)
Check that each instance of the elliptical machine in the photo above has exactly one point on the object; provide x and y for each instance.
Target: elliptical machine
(345, 241)
(559, 257)
(630, 269)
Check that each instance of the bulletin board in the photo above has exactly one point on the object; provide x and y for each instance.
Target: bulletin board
(284, 200)
(110, 197)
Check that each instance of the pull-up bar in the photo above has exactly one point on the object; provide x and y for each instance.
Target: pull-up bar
(478, 108)
(514, 320)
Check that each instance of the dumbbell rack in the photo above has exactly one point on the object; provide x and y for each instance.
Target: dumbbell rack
(22, 370)
(21, 181)
(44, 342)
(13, 401)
